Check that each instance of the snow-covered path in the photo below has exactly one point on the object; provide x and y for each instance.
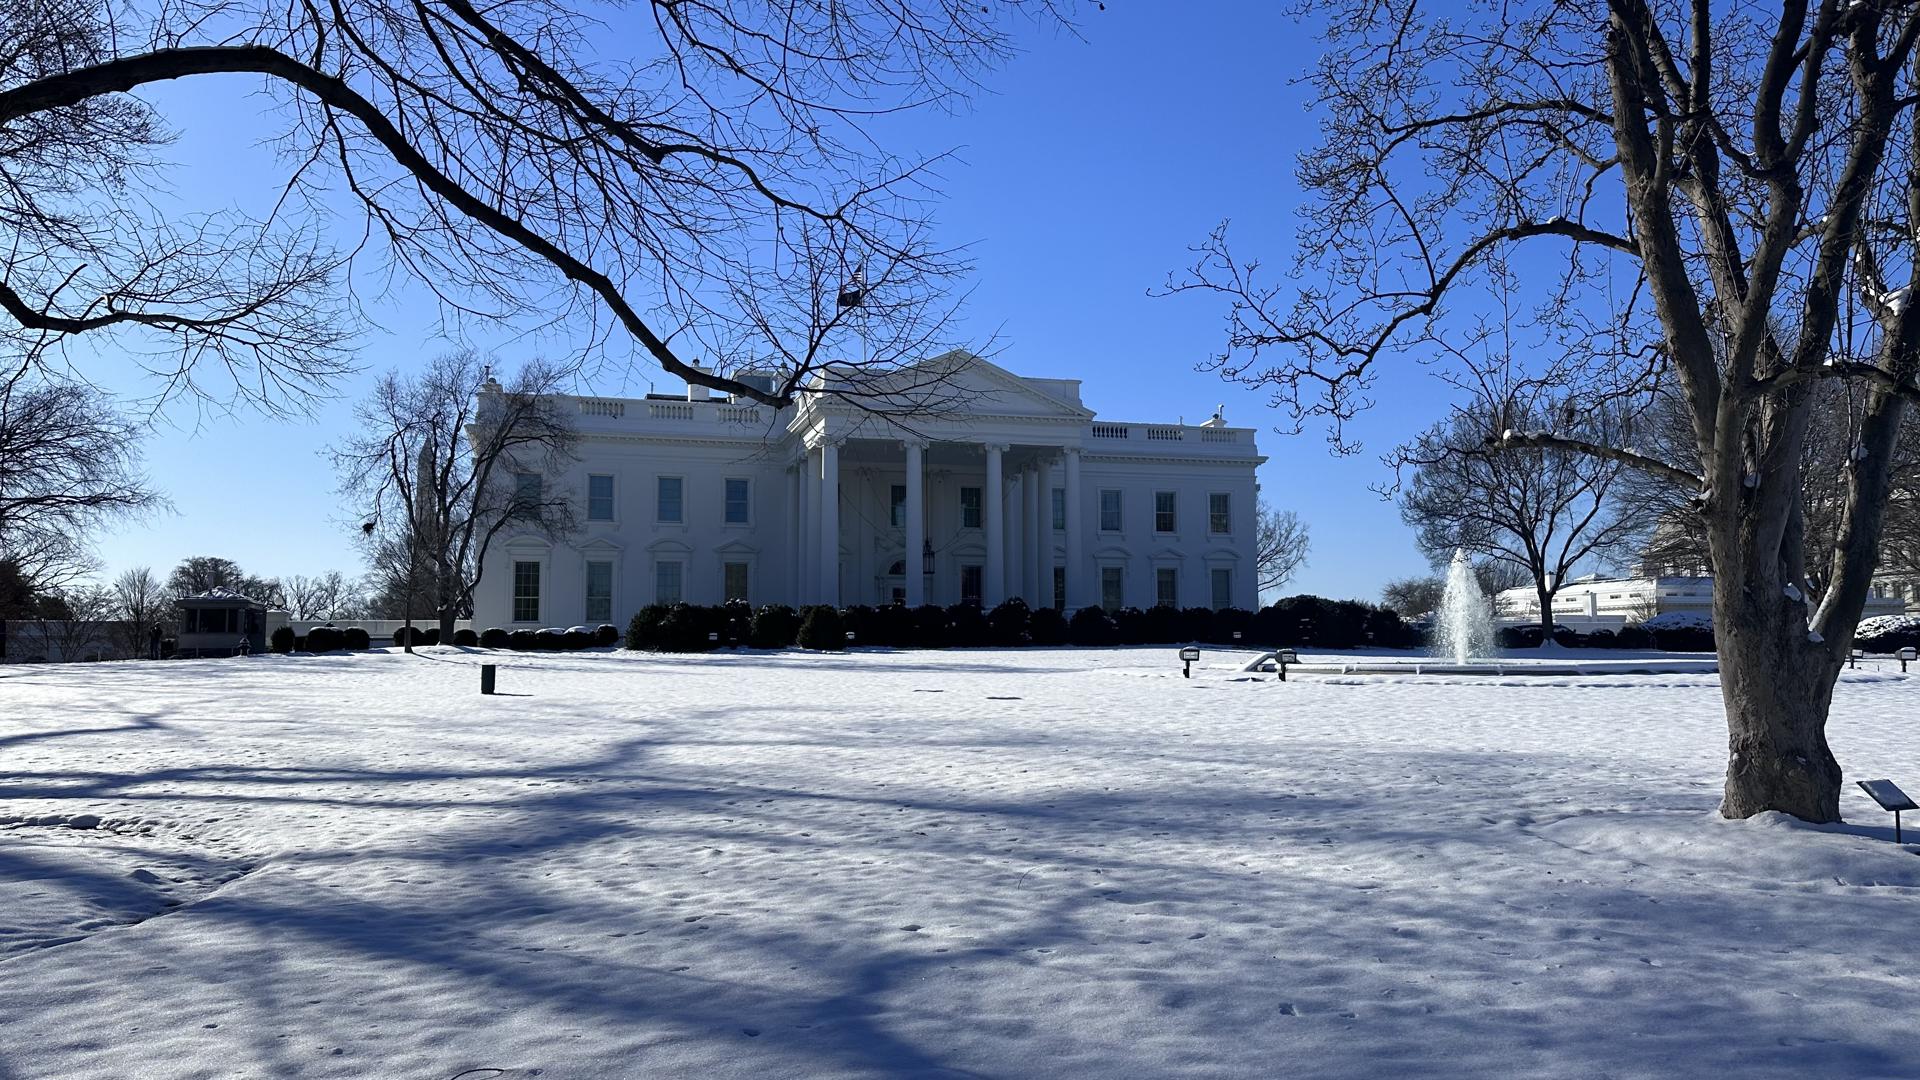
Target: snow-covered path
(1033, 863)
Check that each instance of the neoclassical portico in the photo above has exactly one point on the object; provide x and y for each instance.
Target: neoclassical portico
(1013, 489)
(1014, 539)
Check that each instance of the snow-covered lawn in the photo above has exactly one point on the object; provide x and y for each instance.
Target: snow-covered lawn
(1034, 863)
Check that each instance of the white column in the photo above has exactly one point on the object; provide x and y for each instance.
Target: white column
(1010, 534)
(1030, 484)
(1076, 557)
(994, 589)
(809, 526)
(795, 530)
(1043, 536)
(830, 524)
(916, 524)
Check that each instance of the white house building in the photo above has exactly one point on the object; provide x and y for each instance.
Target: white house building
(1013, 490)
(1595, 603)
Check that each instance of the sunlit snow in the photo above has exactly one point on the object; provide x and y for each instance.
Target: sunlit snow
(1063, 862)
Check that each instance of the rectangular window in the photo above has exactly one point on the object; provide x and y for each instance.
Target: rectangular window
(599, 592)
(970, 577)
(1112, 591)
(526, 592)
(969, 507)
(666, 583)
(1222, 587)
(1059, 509)
(1109, 510)
(671, 508)
(1219, 512)
(897, 501)
(1166, 586)
(733, 583)
(527, 495)
(739, 494)
(1163, 516)
(1059, 588)
(599, 498)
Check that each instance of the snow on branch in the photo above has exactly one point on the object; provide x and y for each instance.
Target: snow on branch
(1521, 440)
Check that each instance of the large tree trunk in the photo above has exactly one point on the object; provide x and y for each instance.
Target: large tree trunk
(1778, 685)
(1546, 614)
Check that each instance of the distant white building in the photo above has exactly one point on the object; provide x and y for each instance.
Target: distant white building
(1017, 490)
(1594, 602)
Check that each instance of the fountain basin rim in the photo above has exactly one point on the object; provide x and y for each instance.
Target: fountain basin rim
(1499, 668)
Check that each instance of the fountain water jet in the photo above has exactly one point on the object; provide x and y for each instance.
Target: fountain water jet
(1466, 624)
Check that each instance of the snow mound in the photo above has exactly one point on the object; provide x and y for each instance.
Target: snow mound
(1888, 624)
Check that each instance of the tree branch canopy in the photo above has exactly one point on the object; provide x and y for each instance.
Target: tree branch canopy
(1741, 189)
(508, 161)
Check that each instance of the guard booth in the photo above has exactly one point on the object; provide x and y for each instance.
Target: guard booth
(214, 623)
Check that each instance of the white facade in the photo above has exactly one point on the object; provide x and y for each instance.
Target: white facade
(1016, 492)
(1592, 603)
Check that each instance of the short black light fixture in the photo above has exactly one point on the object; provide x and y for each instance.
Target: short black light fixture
(487, 677)
(713, 637)
(926, 557)
(1283, 657)
(1891, 798)
(1906, 656)
(1187, 656)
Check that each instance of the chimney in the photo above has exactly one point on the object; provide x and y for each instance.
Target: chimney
(696, 392)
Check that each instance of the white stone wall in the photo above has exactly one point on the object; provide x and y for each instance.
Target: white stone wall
(1028, 422)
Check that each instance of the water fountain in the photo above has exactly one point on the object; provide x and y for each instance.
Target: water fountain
(1466, 622)
(1466, 645)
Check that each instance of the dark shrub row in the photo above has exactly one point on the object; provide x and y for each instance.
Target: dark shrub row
(1300, 620)
(1891, 641)
(1639, 638)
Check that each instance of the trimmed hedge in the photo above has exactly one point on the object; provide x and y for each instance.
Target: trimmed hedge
(1091, 626)
(1047, 627)
(521, 639)
(494, 637)
(774, 626)
(356, 639)
(466, 638)
(823, 630)
(1010, 623)
(323, 639)
(281, 641)
(606, 634)
(422, 635)
(967, 626)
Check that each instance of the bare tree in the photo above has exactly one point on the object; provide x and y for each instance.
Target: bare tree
(1543, 511)
(80, 626)
(198, 574)
(1413, 597)
(331, 595)
(709, 195)
(140, 605)
(68, 464)
(1729, 198)
(450, 458)
(1280, 547)
(1676, 537)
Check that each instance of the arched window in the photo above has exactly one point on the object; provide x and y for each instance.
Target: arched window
(898, 568)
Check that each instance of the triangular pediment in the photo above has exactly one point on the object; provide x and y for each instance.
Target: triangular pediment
(987, 388)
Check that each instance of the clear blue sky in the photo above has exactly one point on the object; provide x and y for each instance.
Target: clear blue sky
(1082, 175)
